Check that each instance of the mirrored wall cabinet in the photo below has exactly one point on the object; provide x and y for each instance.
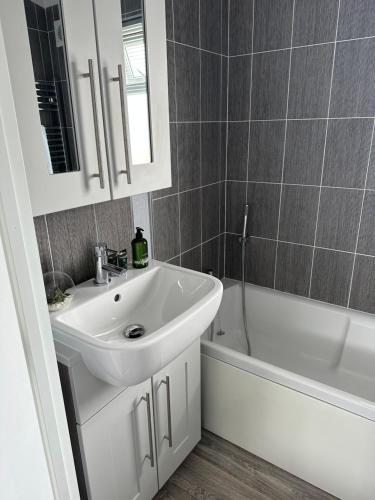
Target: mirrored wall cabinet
(91, 96)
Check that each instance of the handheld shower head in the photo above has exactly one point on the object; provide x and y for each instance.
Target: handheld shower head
(245, 215)
(243, 240)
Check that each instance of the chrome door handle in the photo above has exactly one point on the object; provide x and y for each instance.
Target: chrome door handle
(149, 422)
(120, 80)
(90, 75)
(168, 388)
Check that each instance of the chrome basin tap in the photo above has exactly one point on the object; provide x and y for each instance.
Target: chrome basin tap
(103, 269)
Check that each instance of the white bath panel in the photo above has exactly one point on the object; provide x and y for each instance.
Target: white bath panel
(316, 441)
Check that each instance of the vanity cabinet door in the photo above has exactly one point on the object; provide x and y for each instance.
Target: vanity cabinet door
(131, 43)
(177, 406)
(117, 446)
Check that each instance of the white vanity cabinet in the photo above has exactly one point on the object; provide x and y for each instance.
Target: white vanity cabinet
(118, 448)
(91, 97)
(127, 442)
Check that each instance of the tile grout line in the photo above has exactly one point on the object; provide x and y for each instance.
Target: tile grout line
(190, 189)
(39, 29)
(96, 222)
(284, 148)
(309, 298)
(220, 134)
(49, 242)
(312, 118)
(250, 103)
(176, 132)
(306, 245)
(282, 49)
(274, 183)
(360, 216)
(324, 150)
(288, 119)
(196, 246)
(200, 126)
(151, 215)
(194, 47)
(226, 143)
(198, 121)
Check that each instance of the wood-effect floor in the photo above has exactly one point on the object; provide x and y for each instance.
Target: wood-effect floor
(217, 469)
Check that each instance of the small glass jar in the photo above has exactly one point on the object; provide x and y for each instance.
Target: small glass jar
(59, 288)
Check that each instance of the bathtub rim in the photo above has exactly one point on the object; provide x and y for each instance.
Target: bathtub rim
(365, 316)
(304, 385)
(338, 397)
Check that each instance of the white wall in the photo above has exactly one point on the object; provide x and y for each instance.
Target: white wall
(22, 461)
(23, 467)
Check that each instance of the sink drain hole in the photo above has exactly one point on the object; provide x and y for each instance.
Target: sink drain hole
(134, 331)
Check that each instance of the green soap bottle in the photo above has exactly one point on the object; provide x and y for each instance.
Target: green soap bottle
(140, 250)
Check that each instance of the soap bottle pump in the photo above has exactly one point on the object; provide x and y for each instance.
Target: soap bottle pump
(140, 250)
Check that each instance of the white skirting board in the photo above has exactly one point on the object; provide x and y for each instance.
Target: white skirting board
(320, 443)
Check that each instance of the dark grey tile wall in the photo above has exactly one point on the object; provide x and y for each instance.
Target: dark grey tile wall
(293, 268)
(352, 96)
(269, 85)
(314, 22)
(66, 239)
(273, 23)
(266, 151)
(310, 79)
(304, 148)
(300, 147)
(188, 220)
(240, 27)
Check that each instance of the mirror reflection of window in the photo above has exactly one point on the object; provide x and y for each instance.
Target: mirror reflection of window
(133, 34)
(47, 45)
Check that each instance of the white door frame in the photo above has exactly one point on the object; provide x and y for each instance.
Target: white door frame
(23, 265)
(24, 471)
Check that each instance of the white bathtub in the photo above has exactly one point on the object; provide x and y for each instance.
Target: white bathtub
(305, 399)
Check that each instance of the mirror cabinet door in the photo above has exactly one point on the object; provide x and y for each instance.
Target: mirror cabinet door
(48, 52)
(136, 71)
(131, 42)
(58, 102)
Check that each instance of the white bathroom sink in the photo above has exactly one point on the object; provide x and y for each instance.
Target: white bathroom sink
(173, 304)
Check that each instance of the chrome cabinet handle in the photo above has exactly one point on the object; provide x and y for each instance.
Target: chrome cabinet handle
(168, 387)
(90, 75)
(149, 421)
(120, 80)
